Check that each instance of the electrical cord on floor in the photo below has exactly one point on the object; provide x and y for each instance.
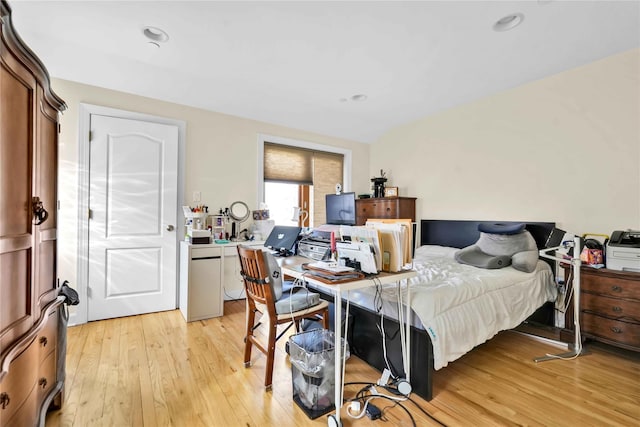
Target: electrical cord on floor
(362, 396)
(426, 413)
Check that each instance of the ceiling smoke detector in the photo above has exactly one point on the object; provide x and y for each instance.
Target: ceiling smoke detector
(508, 22)
(156, 35)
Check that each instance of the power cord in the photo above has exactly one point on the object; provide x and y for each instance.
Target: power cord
(370, 392)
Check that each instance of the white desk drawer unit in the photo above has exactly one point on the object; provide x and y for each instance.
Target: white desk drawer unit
(209, 274)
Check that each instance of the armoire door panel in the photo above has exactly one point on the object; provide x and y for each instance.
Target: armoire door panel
(46, 161)
(16, 161)
(15, 286)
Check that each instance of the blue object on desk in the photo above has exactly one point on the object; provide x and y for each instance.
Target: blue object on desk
(221, 241)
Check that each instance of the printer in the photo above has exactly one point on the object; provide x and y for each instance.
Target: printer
(623, 251)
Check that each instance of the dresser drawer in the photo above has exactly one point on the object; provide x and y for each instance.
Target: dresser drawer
(19, 381)
(48, 335)
(609, 329)
(611, 286)
(377, 209)
(616, 308)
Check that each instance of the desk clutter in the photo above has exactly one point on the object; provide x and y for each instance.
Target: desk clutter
(379, 245)
(203, 227)
(331, 274)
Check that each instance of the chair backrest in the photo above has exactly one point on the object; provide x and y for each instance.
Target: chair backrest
(255, 275)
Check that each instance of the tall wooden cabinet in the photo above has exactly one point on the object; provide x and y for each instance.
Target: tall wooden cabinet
(31, 316)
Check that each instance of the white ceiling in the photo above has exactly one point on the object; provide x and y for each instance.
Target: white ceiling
(291, 63)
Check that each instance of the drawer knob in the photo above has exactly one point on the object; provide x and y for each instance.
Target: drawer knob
(617, 309)
(42, 382)
(616, 330)
(43, 341)
(4, 400)
(616, 288)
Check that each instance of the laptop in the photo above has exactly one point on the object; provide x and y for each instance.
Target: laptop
(282, 240)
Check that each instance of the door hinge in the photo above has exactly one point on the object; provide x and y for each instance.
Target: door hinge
(88, 292)
(59, 128)
(89, 214)
(90, 135)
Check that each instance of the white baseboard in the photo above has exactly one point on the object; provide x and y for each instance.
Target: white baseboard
(234, 294)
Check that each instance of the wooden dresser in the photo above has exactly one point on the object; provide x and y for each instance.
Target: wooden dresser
(386, 207)
(609, 307)
(32, 320)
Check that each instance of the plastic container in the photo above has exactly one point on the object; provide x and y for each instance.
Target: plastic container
(312, 356)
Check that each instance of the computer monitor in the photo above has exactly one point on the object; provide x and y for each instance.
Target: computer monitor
(341, 208)
(282, 239)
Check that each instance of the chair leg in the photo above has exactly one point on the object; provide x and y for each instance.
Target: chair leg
(251, 318)
(271, 349)
(325, 320)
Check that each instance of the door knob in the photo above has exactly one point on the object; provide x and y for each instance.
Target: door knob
(170, 227)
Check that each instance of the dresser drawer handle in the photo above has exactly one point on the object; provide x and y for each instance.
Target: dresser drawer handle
(617, 309)
(42, 383)
(616, 330)
(43, 341)
(4, 400)
(616, 288)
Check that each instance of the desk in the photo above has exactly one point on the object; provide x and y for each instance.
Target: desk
(292, 266)
(209, 274)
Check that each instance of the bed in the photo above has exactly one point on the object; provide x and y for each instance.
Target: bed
(450, 316)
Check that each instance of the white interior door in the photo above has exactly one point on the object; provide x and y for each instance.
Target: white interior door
(133, 212)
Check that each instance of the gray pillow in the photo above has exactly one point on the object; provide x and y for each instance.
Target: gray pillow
(472, 255)
(492, 251)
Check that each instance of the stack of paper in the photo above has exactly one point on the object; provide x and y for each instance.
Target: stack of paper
(395, 236)
(356, 239)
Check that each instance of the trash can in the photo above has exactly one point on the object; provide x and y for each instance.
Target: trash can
(312, 357)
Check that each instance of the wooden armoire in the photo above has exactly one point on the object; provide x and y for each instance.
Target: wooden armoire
(32, 317)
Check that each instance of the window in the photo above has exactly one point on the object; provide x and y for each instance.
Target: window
(296, 173)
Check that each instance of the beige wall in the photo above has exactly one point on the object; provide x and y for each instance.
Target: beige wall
(221, 156)
(563, 149)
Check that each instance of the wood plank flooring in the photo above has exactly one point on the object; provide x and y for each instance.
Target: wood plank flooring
(157, 370)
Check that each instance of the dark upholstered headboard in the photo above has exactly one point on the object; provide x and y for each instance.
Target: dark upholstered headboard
(460, 234)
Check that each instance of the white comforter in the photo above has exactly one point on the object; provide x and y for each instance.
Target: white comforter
(461, 306)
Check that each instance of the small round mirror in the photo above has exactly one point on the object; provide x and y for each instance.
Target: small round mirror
(239, 211)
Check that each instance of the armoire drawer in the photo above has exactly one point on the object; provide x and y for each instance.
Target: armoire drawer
(24, 415)
(614, 330)
(46, 376)
(48, 335)
(616, 308)
(19, 381)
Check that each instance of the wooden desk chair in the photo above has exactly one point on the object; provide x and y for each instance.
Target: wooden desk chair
(260, 297)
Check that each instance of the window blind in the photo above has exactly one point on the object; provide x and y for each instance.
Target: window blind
(323, 170)
(327, 172)
(283, 163)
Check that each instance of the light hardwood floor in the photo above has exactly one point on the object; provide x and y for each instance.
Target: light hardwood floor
(157, 370)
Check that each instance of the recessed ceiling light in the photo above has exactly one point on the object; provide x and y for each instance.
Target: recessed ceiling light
(155, 34)
(359, 97)
(508, 22)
